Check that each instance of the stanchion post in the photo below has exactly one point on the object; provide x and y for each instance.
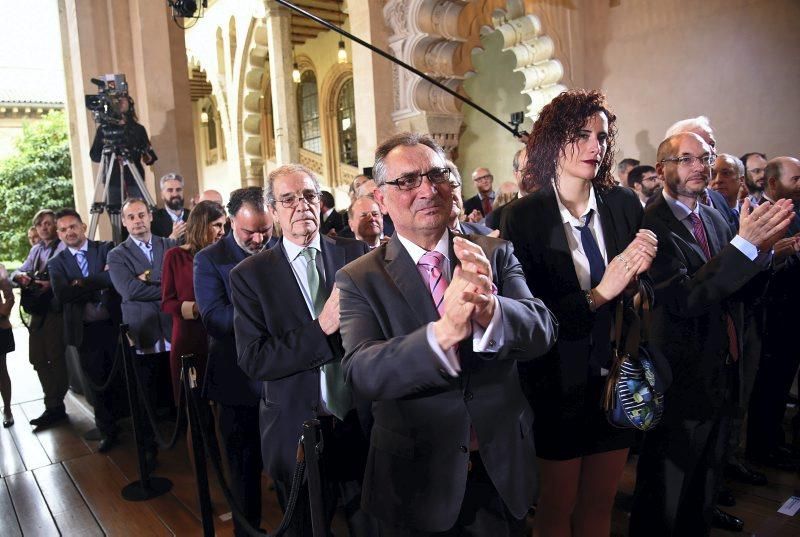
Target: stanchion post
(312, 445)
(147, 487)
(195, 422)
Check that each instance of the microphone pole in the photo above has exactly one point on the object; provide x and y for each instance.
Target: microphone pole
(404, 65)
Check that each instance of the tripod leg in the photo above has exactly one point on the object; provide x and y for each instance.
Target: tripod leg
(140, 183)
(101, 184)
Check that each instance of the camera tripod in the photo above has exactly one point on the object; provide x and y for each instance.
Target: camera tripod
(102, 184)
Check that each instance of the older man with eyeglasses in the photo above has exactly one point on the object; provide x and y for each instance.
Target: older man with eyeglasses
(286, 323)
(432, 326)
(482, 201)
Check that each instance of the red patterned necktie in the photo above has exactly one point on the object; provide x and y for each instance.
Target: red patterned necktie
(487, 205)
(700, 234)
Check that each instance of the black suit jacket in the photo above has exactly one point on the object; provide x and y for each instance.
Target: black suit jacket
(280, 344)
(534, 225)
(334, 221)
(693, 296)
(224, 380)
(162, 222)
(416, 472)
(96, 288)
(473, 203)
(719, 203)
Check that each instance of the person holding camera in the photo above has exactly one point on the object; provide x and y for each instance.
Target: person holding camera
(126, 138)
(46, 344)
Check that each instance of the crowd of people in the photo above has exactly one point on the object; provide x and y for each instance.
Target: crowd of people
(454, 351)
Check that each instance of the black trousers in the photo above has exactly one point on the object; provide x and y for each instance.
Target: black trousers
(341, 469)
(97, 353)
(46, 354)
(677, 478)
(483, 511)
(776, 373)
(238, 428)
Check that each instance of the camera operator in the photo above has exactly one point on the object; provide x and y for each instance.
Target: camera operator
(127, 139)
(46, 344)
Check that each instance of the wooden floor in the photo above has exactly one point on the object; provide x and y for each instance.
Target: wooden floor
(54, 482)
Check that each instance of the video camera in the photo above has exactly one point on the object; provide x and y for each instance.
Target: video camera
(109, 108)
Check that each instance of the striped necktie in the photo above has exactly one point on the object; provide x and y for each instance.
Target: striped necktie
(83, 263)
(430, 268)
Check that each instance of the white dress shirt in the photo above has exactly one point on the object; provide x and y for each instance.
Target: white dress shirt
(579, 258)
(488, 339)
(299, 265)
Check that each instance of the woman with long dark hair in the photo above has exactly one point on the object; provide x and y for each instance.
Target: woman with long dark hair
(205, 226)
(578, 240)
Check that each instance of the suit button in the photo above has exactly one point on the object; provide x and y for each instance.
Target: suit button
(463, 449)
(468, 395)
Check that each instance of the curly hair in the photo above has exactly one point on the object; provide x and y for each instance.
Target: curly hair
(559, 125)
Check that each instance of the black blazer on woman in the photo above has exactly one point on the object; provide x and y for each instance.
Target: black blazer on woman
(533, 224)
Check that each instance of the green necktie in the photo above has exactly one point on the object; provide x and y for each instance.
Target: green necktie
(340, 400)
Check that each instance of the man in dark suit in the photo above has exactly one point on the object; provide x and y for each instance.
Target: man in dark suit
(81, 282)
(454, 222)
(366, 221)
(330, 218)
(135, 268)
(286, 321)
(225, 383)
(451, 447)
(700, 276)
(170, 220)
(780, 358)
(482, 201)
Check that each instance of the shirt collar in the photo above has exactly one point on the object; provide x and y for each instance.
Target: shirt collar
(175, 215)
(327, 213)
(83, 248)
(566, 216)
(293, 250)
(142, 244)
(416, 252)
(489, 195)
(680, 209)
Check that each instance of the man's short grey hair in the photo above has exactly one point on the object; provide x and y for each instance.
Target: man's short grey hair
(516, 165)
(686, 125)
(736, 162)
(287, 169)
(408, 139)
(172, 176)
(455, 177)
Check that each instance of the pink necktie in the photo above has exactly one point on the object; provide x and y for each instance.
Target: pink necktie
(700, 234)
(430, 268)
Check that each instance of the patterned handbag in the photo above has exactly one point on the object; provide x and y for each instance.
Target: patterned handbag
(634, 391)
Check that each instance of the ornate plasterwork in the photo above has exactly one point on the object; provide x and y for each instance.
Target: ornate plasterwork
(254, 72)
(425, 35)
(533, 51)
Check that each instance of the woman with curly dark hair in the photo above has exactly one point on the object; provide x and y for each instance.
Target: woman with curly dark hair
(578, 240)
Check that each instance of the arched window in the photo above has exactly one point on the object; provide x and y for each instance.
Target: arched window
(346, 125)
(211, 126)
(308, 110)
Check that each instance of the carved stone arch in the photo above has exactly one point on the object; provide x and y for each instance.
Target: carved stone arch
(337, 173)
(253, 70)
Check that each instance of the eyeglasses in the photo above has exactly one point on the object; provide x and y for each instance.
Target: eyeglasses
(289, 201)
(687, 161)
(726, 173)
(487, 177)
(411, 181)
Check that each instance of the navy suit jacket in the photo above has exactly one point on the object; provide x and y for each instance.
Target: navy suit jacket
(97, 287)
(279, 343)
(470, 228)
(719, 203)
(224, 381)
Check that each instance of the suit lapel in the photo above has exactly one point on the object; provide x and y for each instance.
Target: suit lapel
(93, 257)
(609, 229)
(711, 231)
(282, 277)
(555, 236)
(71, 265)
(405, 275)
(677, 227)
(332, 258)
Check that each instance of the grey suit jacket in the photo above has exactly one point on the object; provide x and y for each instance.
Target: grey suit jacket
(141, 302)
(417, 467)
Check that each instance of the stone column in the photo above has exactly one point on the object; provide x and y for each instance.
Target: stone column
(284, 102)
(139, 39)
(372, 79)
